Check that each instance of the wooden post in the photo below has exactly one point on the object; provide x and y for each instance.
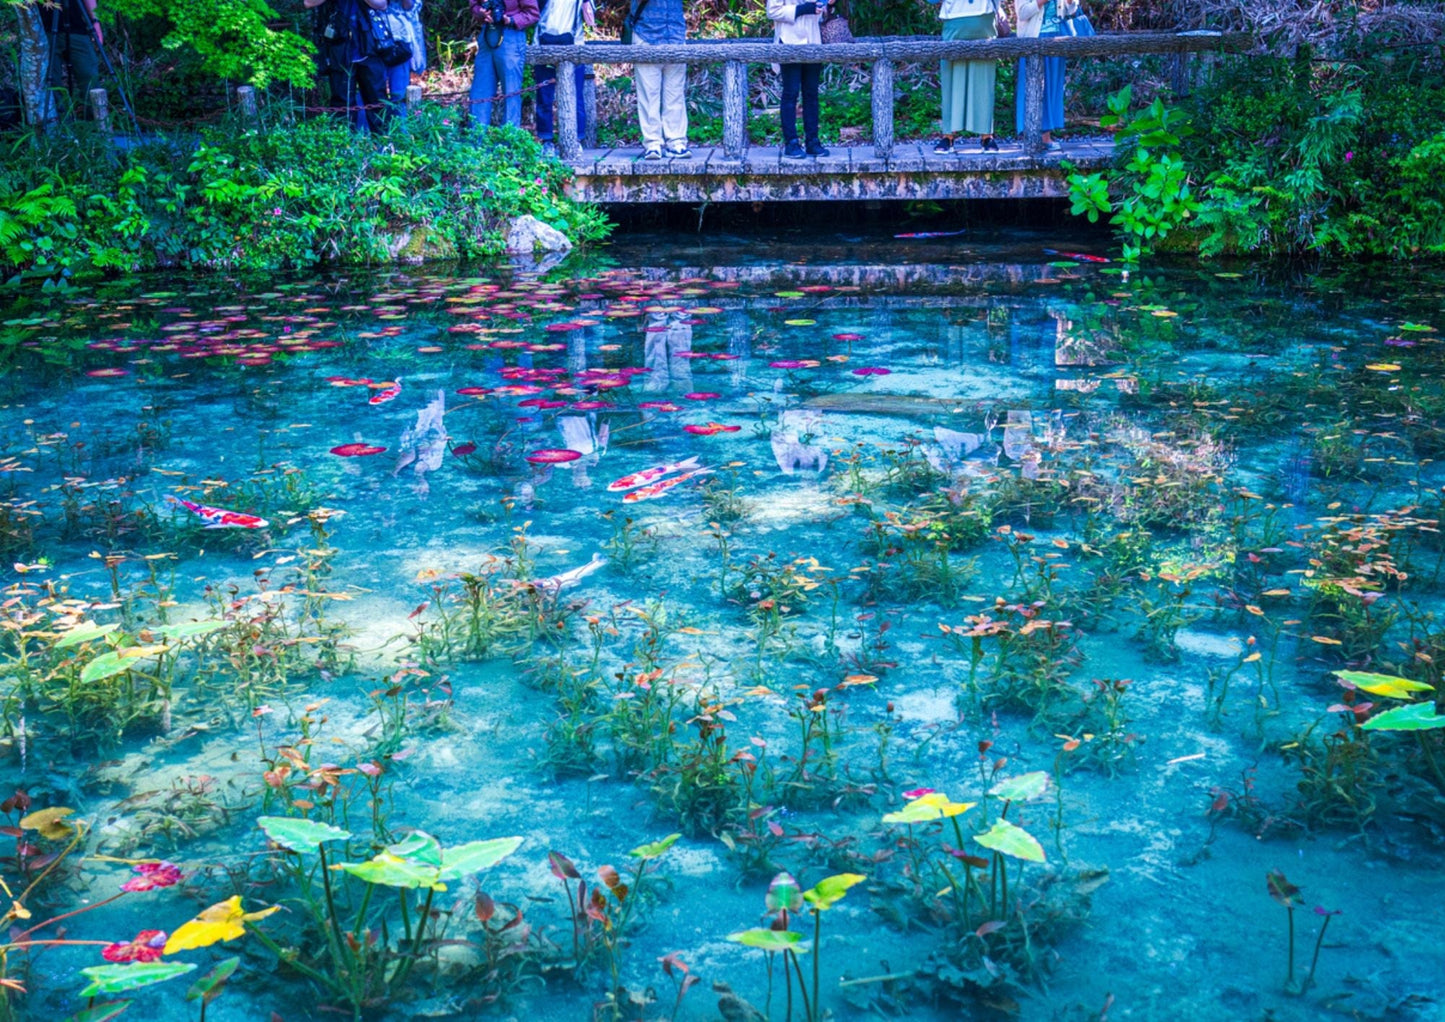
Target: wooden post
(1033, 103)
(569, 147)
(589, 105)
(413, 98)
(100, 109)
(246, 103)
(735, 109)
(1179, 74)
(883, 107)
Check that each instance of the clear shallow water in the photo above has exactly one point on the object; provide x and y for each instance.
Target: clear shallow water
(1110, 420)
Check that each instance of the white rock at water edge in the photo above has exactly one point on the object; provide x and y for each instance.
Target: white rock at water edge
(528, 235)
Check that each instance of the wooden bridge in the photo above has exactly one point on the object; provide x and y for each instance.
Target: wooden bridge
(885, 169)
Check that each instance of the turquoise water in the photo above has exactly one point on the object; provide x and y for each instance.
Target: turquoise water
(1123, 487)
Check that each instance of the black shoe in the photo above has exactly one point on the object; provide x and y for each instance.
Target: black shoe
(944, 146)
(989, 145)
(815, 148)
(793, 151)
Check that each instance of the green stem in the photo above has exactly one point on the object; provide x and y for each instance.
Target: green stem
(295, 963)
(1315, 959)
(1289, 981)
(817, 940)
(420, 933)
(802, 988)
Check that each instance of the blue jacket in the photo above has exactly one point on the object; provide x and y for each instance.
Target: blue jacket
(661, 21)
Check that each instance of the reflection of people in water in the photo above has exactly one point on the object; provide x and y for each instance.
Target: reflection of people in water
(423, 445)
(795, 443)
(585, 435)
(669, 335)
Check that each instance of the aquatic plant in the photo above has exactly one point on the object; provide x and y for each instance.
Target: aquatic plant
(1287, 895)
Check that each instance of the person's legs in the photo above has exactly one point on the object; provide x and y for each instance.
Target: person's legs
(546, 78)
(514, 42)
(647, 80)
(370, 76)
(84, 69)
(1053, 93)
(398, 77)
(674, 105)
(812, 76)
(484, 82)
(977, 103)
(579, 80)
(1020, 88)
(792, 75)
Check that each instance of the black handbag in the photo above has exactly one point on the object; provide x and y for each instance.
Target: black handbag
(390, 50)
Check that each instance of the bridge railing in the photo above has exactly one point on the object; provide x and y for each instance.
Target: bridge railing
(882, 54)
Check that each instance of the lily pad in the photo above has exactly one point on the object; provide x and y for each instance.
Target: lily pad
(475, 856)
(299, 835)
(1008, 839)
(1415, 717)
(117, 979)
(1387, 685)
(1021, 788)
(770, 940)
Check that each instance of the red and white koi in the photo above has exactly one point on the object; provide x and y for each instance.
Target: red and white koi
(647, 475)
(386, 393)
(1079, 256)
(220, 518)
(658, 489)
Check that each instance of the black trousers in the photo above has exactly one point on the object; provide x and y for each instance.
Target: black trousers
(360, 84)
(800, 78)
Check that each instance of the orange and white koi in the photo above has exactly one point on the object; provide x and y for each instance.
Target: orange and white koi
(658, 489)
(647, 475)
(386, 393)
(220, 518)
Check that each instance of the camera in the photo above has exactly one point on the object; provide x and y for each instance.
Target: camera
(496, 11)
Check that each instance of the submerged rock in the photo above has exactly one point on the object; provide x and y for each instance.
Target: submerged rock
(1207, 644)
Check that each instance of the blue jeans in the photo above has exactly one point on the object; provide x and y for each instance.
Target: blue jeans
(546, 79)
(397, 79)
(1053, 95)
(498, 65)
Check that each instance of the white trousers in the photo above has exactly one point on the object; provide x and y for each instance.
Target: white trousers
(661, 104)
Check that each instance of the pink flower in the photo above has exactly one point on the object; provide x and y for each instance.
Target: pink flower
(1349, 156)
(148, 946)
(153, 876)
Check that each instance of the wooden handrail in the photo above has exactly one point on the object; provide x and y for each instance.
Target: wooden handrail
(884, 54)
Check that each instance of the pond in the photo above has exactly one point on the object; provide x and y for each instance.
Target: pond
(974, 610)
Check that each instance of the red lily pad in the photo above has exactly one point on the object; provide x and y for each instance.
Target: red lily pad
(553, 456)
(357, 450)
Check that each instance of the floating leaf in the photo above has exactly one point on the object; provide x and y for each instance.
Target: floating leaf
(1011, 840)
(770, 940)
(1383, 367)
(50, 823)
(117, 661)
(209, 986)
(475, 856)
(85, 632)
(1280, 889)
(655, 848)
(1415, 717)
(1387, 685)
(1021, 788)
(299, 835)
(117, 979)
(1422, 328)
(562, 867)
(100, 1012)
(222, 921)
(931, 805)
(830, 890)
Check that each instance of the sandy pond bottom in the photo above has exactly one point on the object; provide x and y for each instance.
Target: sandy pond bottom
(960, 490)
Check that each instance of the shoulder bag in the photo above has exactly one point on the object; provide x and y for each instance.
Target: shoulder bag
(390, 50)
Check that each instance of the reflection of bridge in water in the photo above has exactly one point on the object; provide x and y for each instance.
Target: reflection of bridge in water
(737, 171)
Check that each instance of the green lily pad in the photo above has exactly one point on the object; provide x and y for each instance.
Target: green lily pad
(1415, 717)
(1021, 788)
(770, 940)
(1387, 685)
(117, 979)
(475, 856)
(299, 835)
(655, 848)
(86, 632)
(830, 890)
(1007, 839)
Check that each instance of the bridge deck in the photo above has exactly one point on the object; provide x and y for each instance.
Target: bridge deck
(909, 171)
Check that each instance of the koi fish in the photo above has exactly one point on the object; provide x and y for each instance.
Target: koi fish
(563, 580)
(220, 518)
(386, 393)
(931, 234)
(658, 489)
(1077, 255)
(647, 475)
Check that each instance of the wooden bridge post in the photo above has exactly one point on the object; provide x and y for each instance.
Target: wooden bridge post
(1033, 86)
(883, 107)
(413, 98)
(100, 110)
(735, 109)
(246, 103)
(1179, 74)
(589, 106)
(569, 147)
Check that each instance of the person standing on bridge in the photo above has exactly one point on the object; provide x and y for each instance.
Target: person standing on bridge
(661, 88)
(1043, 19)
(560, 25)
(797, 24)
(968, 85)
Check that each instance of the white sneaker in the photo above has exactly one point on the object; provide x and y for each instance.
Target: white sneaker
(652, 154)
(679, 152)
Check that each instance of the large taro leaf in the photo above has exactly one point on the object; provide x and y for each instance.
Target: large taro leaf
(100, 1012)
(117, 979)
(1021, 788)
(189, 629)
(209, 986)
(299, 835)
(475, 856)
(654, 849)
(225, 920)
(830, 890)
(785, 894)
(117, 661)
(1387, 685)
(1011, 840)
(933, 806)
(1415, 717)
(50, 822)
(85, 632)
(770, 940)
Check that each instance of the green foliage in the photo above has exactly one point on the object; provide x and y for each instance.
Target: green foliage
(293, 195)
(235, 39)
(1153, 182)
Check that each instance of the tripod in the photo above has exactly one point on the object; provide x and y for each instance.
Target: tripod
(91, 31)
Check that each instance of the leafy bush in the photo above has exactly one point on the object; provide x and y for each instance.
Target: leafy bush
(299, 194)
